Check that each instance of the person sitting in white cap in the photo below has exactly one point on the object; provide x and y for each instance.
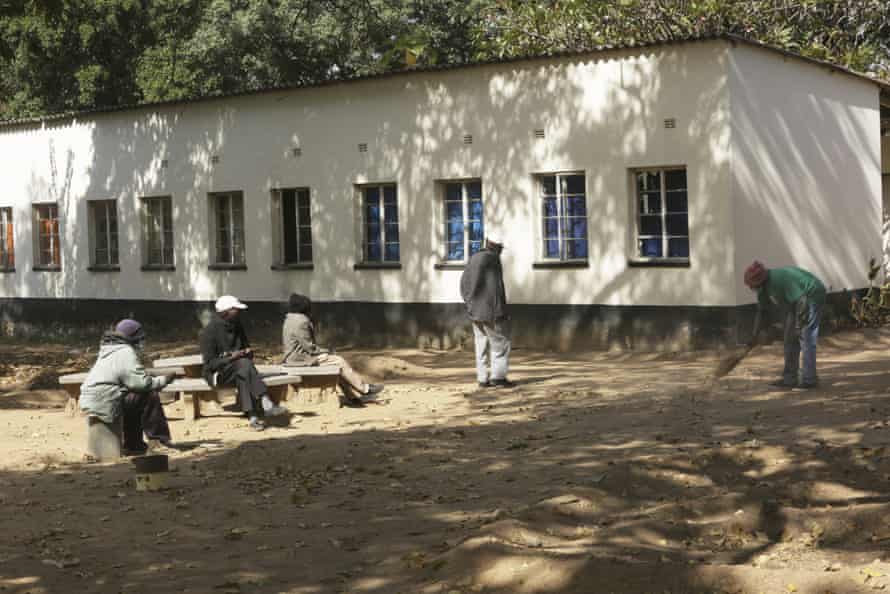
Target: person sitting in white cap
(482, 289)
(228, 361)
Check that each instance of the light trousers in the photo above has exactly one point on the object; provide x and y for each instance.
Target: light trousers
(492, 350)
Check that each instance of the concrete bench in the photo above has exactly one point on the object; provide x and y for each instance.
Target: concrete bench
(71, 384)
(192, 391)
(192, 365)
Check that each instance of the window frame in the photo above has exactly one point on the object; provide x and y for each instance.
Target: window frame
(279, 224)
(148, 221)
(7, 240)
(55, 237)
(233, 263)
(544, 261)
(92, 210)
(442, 231)
(636, 259)
(382, 262)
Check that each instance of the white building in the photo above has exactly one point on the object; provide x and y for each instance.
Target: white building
(632, 186)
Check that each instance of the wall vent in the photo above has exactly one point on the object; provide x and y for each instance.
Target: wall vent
(164, 163)
(296, 151)
(214, 159)
(468, 139)
(670, 123)
(539, 133)
(363, 147)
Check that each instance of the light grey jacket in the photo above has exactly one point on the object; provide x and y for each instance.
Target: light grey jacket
(298, 340)
(117, 371)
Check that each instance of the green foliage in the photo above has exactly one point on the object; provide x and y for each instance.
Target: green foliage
(873, 309)
(59, 55)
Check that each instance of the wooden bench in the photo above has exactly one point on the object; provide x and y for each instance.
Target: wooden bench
(193, 390)
(71, 384)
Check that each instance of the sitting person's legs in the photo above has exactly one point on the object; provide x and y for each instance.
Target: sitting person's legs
(143, 413)
(253, 396)
(352, 384)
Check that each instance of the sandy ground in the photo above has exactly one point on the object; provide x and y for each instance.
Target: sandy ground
(598, 473)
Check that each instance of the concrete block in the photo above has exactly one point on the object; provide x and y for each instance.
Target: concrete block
(103, 439)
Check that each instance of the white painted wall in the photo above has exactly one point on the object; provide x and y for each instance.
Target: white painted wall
(603, 114)
(806, 168)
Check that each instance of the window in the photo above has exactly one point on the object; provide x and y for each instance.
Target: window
(381, 223)
(157, 234)
(662, 214)
(293, 226)
(46, 231)
(463, 220)
(7, 242)
(228, 228)
(103, 233)
(564, 208)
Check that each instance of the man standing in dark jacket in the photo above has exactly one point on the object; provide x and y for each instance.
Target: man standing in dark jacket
(228, 360)
(482, 289)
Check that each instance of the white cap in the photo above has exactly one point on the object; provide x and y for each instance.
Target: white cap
(494, 238)
(227, 302)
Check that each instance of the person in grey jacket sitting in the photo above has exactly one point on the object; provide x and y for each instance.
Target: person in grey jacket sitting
(482, 290)
(300, 348)
(117, 389)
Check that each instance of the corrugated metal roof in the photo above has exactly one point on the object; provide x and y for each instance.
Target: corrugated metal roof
(884, 86)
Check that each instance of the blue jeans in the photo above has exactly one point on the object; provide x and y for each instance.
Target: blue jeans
(492, 349)
(801, 334)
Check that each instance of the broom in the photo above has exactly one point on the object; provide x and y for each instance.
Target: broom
(731, 361)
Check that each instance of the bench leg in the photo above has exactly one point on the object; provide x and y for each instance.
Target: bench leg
(191, 406)
(72, 405)
(277, 393)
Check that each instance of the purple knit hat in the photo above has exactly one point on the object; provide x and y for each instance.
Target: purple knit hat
(130, 329)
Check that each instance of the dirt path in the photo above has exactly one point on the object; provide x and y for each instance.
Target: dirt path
(598, 473)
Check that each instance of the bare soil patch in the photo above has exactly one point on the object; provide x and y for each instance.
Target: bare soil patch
(598, 473)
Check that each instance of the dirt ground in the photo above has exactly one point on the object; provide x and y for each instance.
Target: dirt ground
(598, 473)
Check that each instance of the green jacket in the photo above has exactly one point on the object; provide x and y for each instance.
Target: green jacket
(786, 286)
(117, 371)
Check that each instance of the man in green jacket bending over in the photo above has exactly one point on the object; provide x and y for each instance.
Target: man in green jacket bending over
(803, 296)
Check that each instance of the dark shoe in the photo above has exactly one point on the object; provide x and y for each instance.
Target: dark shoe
(808, 385)
(502, 383)
(134, 451)
(485, 384)
(351, 402)
(257, 424)
(782, 384)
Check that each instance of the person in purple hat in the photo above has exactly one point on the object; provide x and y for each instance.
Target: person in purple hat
(117, 389)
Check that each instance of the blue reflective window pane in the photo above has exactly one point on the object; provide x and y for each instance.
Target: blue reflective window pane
(577, 248)
(453, 192)
(675, 179)
(372, 211)
(648, 181)
(678, 248)
(650, 248)
(391, 213)
(372, 194)
(392, 232)
(677, 224)
(474, 190)
(650, 225)
(389, 194)
(456, 235)
(574, 184)
(575, 206)
(578, 228)
(392, 252)
(550, 208)
(676, 202)
(454, 211)
(551, 228)
(548, 185)
(551, 248)
(373, 253)
(475, 246)
(475, 210)
(476, 231)
(455, 251)
(455, 228)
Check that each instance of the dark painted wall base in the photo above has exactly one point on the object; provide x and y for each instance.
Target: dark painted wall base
(427, 325)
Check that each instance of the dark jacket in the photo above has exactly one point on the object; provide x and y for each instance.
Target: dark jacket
(219, 339)
(482, 287)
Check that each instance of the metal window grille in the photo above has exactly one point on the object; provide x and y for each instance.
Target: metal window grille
(564, 206)
(159, 231)
(381, 223)
(464, 230)
(662, 213)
